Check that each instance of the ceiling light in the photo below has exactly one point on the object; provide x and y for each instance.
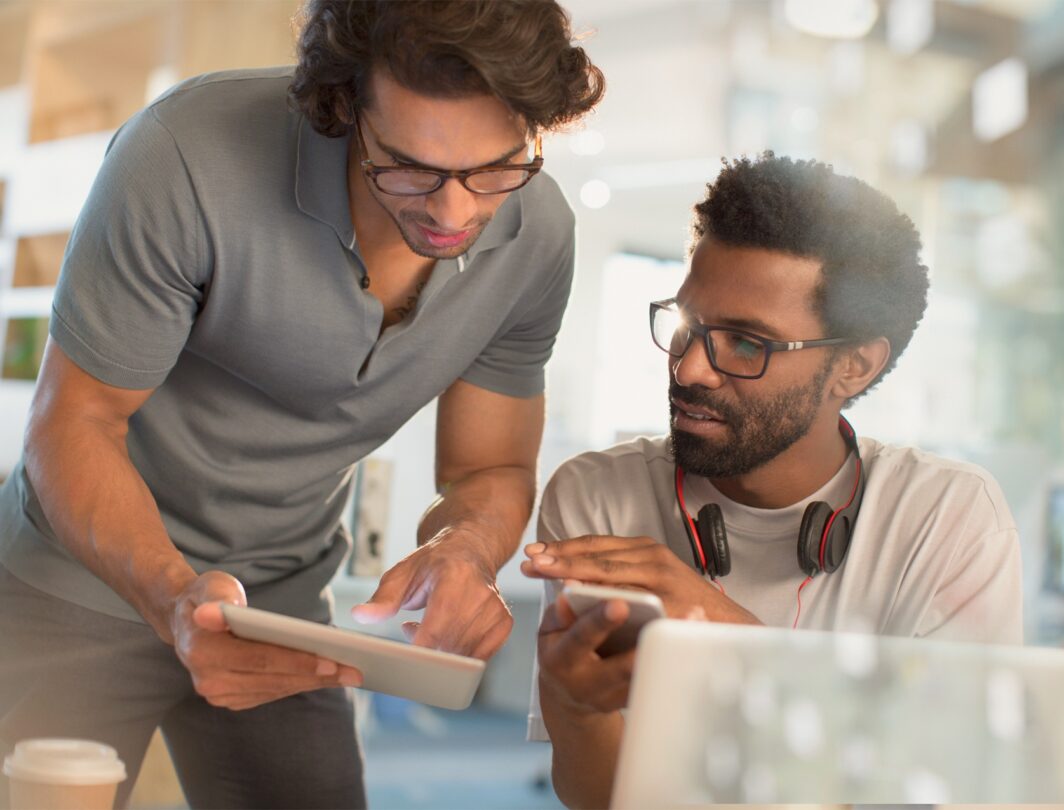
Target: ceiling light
(594, 194)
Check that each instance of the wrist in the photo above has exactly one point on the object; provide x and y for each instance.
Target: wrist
(168, 593)
(474, 543)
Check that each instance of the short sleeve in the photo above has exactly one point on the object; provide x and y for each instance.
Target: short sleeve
(513, 363)
(134, 274)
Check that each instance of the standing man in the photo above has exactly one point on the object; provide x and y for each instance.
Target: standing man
(762, 506)
(273, 272)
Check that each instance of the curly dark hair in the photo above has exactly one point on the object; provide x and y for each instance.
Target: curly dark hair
(872, 281)
(519, 50)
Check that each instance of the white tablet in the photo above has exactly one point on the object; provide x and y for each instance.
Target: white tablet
(393, 667)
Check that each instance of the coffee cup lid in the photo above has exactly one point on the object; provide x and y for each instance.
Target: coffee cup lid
(64, 762)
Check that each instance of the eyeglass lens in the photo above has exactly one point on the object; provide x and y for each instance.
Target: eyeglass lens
(414, 181)
(729, 352)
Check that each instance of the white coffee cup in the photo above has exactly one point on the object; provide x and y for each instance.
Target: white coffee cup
(60, 774)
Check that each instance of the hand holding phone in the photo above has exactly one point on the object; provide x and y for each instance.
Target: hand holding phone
(642, 608)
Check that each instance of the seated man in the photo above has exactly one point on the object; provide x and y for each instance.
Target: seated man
(804, 289)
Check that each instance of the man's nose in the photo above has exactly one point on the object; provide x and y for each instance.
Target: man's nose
(452, 205)
(694, 368)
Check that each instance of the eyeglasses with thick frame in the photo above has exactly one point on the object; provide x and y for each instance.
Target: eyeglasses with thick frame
(734, 352)
(416, 180)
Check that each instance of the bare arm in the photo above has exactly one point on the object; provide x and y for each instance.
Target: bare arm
(94, 498)
(486, 449)
(581, 695)
(102, 511)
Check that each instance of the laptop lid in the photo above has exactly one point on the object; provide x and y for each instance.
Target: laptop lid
(727, 714)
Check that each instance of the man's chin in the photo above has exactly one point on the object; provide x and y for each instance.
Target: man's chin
(696, 455)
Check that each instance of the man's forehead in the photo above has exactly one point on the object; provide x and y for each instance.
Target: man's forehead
(733, 283)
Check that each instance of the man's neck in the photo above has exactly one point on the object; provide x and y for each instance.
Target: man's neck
(794, 474)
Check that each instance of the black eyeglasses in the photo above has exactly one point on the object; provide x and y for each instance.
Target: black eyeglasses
(413, 181)
(734, 352)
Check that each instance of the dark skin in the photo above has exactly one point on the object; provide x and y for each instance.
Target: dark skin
(768, 293)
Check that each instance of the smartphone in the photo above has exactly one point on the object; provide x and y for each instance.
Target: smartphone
(643, 607)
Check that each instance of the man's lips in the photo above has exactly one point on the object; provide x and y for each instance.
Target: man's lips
(696, 412)
(441, 239)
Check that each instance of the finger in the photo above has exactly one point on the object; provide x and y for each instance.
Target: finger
(565, 610)
(529, 570)
(492, 620)
(209, 616)
(535, 548)
(492, 641)
(410, 629)
(227, 653)
(456, 619)
(593, 543)
(224, 685)
(392, 594)
(246, 695)
(591, 629)
(606, 570)
(554, 620)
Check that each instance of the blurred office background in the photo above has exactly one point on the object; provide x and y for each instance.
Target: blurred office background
(955, 109)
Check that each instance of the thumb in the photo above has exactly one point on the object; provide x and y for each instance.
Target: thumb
(209, 616)
(210, 590)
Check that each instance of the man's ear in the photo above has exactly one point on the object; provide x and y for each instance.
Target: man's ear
(858, 365)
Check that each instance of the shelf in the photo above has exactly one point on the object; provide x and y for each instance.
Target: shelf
(95, 64)
(24, 340)
(91, 67)
(26, 302)
(38, 259)
(14, 26)
(49, 183)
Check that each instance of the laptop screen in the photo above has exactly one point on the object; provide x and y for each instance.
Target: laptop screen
(729, 714)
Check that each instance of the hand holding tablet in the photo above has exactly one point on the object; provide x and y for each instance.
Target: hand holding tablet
(428, 676)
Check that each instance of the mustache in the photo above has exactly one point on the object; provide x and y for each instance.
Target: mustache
(703, 397)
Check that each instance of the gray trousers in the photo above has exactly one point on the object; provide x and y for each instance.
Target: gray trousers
(66, 671)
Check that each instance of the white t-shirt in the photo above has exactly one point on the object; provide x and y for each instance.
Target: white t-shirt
(935, 551)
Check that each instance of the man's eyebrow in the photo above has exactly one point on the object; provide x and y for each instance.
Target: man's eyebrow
(402, 157)
(755, 325)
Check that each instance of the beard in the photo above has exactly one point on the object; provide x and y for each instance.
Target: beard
(758, 430)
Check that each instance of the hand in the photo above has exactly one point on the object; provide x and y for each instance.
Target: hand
(451, 578)
(234, 673)
(571, 672)
(634, 562)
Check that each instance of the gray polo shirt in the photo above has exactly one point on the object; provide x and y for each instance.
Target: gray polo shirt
(215, 261)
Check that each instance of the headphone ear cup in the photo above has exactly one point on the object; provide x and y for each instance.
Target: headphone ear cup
(816, 517)
(714, 540)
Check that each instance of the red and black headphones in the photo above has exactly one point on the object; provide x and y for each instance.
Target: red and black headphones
(823, 537)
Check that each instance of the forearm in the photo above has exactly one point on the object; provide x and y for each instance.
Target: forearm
(586, 747)
(101, 510)
(487, 510)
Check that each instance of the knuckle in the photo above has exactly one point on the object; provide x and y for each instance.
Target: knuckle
(208, 687)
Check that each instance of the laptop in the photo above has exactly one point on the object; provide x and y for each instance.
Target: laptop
(730, 714)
